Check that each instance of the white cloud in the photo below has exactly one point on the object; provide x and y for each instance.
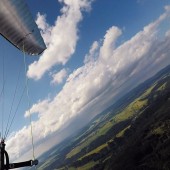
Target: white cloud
(41, 106)
(94, 86)
(109, 43)
(92, 53)
(59, 77)
(45, 28)
(60, 38)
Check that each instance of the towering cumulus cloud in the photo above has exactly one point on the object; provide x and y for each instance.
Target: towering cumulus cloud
(108, 72)
(57, 37)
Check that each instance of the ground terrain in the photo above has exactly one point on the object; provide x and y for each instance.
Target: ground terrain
(132, 134)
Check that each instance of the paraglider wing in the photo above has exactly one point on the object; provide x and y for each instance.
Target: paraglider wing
(19, 28)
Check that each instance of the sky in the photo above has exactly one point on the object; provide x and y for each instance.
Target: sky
(97, 51)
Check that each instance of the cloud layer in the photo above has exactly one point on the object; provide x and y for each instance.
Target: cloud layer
(108, 72)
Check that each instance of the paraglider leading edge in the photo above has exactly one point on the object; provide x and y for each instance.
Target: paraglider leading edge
(18, 26)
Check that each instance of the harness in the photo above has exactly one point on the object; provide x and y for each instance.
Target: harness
(4, 160)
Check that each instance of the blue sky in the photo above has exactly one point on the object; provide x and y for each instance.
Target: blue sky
(96, 52)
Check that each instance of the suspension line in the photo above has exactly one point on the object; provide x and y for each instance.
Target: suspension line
(29, 103)
(12, 104)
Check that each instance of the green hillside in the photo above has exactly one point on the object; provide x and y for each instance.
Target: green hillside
(133, 133)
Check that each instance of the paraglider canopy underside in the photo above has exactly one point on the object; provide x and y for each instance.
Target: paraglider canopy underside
(19, 28)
